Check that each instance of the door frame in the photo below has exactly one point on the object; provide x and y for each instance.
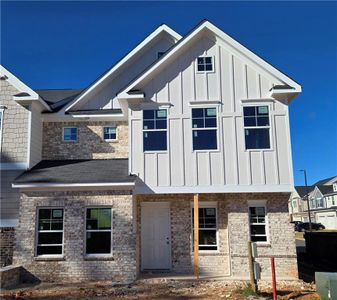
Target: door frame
(154, 204)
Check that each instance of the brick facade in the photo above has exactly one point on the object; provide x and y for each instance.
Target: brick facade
(90, 143)
(233, 231)
(7, 236)
(15, 126)
(74, 265)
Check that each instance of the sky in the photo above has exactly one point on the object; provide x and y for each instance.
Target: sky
(69, 44)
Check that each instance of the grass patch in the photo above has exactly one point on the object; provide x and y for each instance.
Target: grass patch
(246, 291)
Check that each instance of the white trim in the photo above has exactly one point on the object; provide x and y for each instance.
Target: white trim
(259, 203)
(2, 112)
(29, 135)
(38, 185)
(98, 116)
(110, 140)
(13, 166)
(205, 72)
(147, 40)
(9, 223)
(280, 188)
(206, 103)
(21, 87)
(229, 41)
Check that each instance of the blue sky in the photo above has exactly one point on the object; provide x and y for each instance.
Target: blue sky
(69, 44)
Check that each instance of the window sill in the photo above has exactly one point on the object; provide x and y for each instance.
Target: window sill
(110, 141)
(49, 258)
(98, 257)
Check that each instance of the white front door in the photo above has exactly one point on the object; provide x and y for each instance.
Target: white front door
(155, 236)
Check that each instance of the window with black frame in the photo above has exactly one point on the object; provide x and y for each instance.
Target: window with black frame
(204, 128)
(257, 219)
(207, 228)
(256, 127)
(98, 231)
(205, 64)
(50, 231)
(155, 130)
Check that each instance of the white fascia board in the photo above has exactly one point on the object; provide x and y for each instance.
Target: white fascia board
(70, 185)
(147, 40)
(55, 117)
(98, 116)
(227, 39)
(22, 87)
(285, 188)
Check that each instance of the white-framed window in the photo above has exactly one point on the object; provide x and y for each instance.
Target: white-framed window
(1, 124)
(204, 128)
(208, 226)
(98, 239)
(257, 127)
(155, 130)
(205, 64)
(333, 200)
(110, 133)
(258, 222)
(294, 203)
(334, 186)
(49, 232)
(70, 134)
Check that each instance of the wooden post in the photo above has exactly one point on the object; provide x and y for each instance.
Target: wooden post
(251, 266)
(196, 235)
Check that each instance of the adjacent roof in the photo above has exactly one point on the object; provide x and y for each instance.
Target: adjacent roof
(58, 98)
(324, 181)
(326, 189)
(302, 190)
(76, 172)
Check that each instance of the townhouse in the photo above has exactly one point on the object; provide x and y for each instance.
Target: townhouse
(171, 161)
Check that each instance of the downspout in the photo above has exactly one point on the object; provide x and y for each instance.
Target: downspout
(29, 135)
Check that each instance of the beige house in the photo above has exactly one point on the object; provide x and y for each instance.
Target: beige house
(170, 162)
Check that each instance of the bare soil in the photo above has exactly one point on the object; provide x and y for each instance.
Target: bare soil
(147, 289)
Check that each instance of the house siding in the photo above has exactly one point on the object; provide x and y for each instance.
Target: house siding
(234, 79)
(90, 143)
(14, 127)
(231, 259)
(74, 266)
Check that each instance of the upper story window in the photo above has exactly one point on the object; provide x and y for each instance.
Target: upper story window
(204, 128)
(257, 127)
(205, 64)
(257, 222)
(334, 186)
(98, 231)
(70, 134)
(207, 227)
(155, 130)
(50, 231)
(110, 133)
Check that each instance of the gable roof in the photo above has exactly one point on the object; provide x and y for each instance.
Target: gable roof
(25, 92)
(326, 180)
(302, 190)
(161, 29)
(289, 84)
(326, 189)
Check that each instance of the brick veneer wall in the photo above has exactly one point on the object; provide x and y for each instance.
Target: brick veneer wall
(7, 237)
(90, 143)
(233, 231)
(15, 126)
(74, 266)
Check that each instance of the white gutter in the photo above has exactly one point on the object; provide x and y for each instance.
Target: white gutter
(41, 185)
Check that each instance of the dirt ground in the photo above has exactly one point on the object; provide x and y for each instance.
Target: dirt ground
(145, 289)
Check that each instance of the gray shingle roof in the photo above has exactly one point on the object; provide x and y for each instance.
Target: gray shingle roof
(326, 189)
(78, 171)
(324, 181)
(301, 190)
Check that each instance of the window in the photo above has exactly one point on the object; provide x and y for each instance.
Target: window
(204, 128)
(50, 231)
(109, 133)
(155, 130)
(333, 200)
(69, 134)
(257, 126)
(295, 204)
(205, 64)
(257, 220)
(98, 230)
(207, 228)
(160, 54)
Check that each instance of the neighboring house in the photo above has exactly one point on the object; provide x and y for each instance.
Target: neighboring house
(322, 201)
(170, 162)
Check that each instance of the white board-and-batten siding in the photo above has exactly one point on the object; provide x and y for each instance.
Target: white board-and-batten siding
(230, 167)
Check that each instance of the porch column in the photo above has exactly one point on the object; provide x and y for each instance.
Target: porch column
(196, 235)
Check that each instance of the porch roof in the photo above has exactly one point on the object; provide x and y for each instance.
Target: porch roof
(94, 172)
